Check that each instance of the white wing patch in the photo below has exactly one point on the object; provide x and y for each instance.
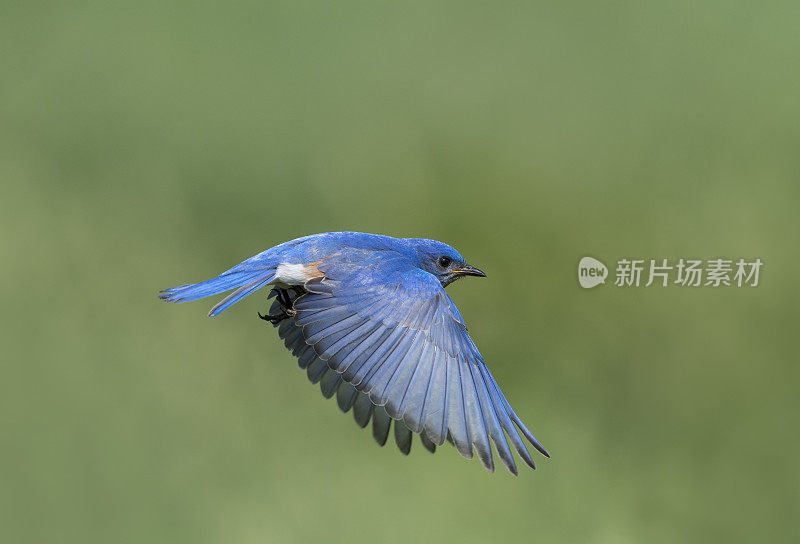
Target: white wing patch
(292, 274)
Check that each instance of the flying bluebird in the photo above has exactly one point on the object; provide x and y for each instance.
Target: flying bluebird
(368, 317)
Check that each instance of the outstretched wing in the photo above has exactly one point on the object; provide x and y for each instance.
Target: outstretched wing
(331, 383)
(389, 329)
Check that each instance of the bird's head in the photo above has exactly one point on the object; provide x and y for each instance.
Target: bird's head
(441, 260)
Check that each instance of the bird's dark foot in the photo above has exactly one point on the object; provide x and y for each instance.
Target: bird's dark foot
(274, 318)
(285, 302)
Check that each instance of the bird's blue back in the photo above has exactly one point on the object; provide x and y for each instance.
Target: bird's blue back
(319, 246)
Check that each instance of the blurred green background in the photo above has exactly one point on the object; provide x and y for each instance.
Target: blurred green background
(149, 144)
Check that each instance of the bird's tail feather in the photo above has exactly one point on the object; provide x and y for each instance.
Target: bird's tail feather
(244, 281)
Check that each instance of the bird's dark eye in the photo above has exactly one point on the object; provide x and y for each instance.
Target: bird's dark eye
(444, 262)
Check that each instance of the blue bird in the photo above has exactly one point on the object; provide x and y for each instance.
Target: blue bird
(367, 316)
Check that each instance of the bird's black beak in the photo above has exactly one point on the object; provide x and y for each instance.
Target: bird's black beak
(471, 271)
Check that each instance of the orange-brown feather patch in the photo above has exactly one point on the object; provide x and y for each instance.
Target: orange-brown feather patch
(312, 270)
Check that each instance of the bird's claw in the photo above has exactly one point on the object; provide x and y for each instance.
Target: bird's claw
(274, 318)
(286, 308)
